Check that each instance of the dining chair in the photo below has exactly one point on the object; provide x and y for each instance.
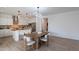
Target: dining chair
(28, 42)
(45, 39)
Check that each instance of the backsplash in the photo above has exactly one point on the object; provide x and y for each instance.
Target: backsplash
(21, 27)
(5, 26)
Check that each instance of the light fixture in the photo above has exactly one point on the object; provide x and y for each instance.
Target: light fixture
(37, 14)
(39, 18)
(25, 15)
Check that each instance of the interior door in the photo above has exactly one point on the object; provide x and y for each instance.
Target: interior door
(45, 24)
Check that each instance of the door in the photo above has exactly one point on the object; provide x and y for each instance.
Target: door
(45, 24)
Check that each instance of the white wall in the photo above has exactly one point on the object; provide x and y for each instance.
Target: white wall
(65, 25)
(25, 21)
(5, 19)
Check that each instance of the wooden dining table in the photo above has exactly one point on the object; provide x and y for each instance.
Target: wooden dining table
(36, 36)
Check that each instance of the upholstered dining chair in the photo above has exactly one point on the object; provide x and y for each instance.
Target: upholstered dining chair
(45, 39)
(28, 42)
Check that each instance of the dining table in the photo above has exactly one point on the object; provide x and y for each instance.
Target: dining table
(36, 36)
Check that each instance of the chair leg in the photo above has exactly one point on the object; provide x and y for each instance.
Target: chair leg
(24, 48)
(32, 47)
(47, 43)
(41, 42)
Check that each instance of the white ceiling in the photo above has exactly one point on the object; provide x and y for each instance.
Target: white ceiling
(43, 10)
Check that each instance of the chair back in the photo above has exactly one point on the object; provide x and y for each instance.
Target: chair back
(28, 39)
(46, 36)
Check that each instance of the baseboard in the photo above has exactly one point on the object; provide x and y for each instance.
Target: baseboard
(5, 36)
(65, 36)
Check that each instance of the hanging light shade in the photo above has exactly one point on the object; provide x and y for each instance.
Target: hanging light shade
(37, 13)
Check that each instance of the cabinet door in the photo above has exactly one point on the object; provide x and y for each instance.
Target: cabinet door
(45, 24)
(15, 19)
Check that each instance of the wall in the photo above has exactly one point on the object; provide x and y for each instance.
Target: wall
(7, 20)
(25, 21)
(64, 25)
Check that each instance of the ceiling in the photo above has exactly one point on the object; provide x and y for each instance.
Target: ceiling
(43, 10)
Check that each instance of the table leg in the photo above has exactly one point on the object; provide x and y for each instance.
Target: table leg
(37, 44)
